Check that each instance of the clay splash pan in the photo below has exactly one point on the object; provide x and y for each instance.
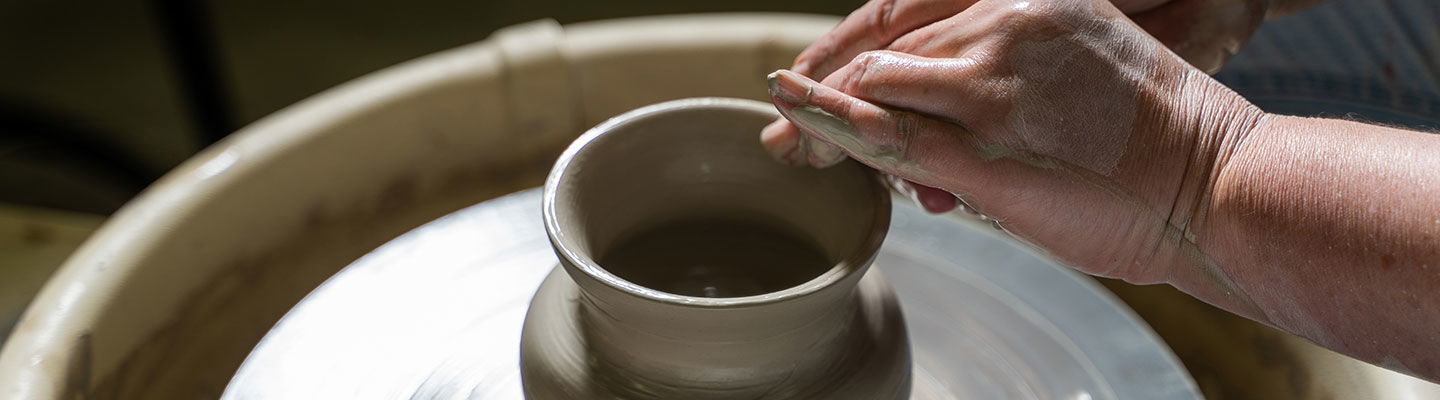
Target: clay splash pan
(438, 313)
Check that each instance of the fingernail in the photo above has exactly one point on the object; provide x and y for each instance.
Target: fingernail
(787, 86)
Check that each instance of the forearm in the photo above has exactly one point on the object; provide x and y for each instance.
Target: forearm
(1332, 229)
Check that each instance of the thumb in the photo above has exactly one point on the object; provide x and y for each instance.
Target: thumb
(905, 144)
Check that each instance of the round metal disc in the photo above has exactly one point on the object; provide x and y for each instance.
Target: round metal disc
(437, 312)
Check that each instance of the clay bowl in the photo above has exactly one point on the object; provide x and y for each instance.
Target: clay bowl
(172, 293)
(693, 266)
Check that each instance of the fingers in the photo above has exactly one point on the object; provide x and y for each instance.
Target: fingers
(875, 25)
(819, 153)
(785, 143)
(950, 37)
(871, 27)
(950, 88)
(782, 141)
(934, 200)
(901, 143)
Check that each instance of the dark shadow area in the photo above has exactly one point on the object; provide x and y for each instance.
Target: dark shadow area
(106, 96)
(54, 162)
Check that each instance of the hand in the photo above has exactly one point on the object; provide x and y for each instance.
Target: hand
(1062, 120)
(1204, 32)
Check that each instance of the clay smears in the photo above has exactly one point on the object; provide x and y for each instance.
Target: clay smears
(840, 133)
(1073, 129)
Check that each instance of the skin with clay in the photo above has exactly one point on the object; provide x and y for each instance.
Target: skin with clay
(1091, 130)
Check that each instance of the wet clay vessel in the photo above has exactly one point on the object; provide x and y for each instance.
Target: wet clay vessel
(693, 266)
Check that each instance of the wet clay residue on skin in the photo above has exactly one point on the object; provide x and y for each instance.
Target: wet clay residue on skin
(839, 132)
(1089, 131)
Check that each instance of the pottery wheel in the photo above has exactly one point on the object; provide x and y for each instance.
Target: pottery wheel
(436, 314)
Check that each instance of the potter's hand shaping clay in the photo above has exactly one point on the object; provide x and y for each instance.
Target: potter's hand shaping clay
(1075, 130)
(1203, 32)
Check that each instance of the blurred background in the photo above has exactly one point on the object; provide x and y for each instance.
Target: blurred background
(100, 98)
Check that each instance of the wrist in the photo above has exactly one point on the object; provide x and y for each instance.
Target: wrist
(1236, 130)
(1220, 124)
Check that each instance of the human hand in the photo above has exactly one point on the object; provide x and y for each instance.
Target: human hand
(1204, 32)
(1061, 120)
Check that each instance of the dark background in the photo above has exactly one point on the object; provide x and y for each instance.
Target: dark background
(100, 98)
